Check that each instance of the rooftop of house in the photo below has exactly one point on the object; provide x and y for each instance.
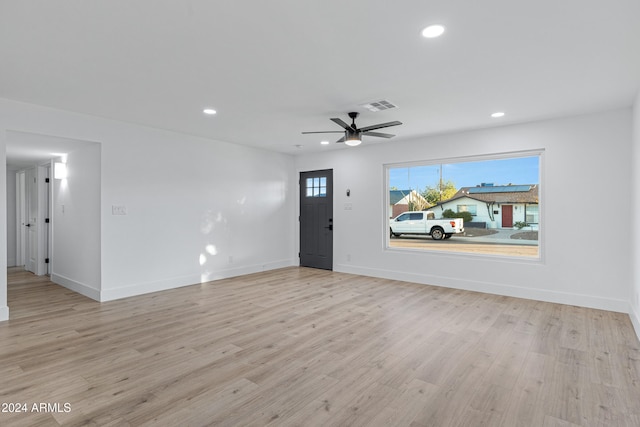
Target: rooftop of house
(521, 193)
(396, 195)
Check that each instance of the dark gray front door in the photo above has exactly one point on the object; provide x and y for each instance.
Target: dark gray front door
(316, 219)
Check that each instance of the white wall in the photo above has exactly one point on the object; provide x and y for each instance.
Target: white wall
(11, 218)
(634, 294)
(197, 209)
(4, 309)
(585, 164)
(75, 221)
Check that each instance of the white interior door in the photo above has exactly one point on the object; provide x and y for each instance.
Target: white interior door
(31, 240)
(21, 217)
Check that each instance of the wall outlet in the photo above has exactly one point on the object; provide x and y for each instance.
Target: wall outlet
(348, 257)
(118, 210)
(230, 259)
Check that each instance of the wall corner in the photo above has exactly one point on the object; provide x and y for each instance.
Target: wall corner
(635, 320)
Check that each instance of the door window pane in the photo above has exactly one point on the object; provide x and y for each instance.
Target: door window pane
(316, 187)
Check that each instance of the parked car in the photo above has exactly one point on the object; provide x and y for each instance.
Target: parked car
(425, 222)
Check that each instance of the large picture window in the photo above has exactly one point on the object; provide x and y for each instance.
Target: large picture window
(487, 205)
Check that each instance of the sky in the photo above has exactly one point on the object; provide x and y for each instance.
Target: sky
(519, 170)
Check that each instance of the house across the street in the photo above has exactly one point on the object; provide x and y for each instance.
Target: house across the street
(500, 206)
(401, 201)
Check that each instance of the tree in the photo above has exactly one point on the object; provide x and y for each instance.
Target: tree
(418, 204)
(442, 191)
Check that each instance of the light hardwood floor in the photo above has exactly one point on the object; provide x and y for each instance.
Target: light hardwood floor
(309, 347)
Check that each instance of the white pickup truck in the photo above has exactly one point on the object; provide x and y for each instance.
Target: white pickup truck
(425, 222)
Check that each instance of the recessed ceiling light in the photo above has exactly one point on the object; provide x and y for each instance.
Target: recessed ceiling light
(209, 111)
(324, 142)
(497, 114)
(433, 31)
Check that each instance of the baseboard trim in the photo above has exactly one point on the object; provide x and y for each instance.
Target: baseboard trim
(178, 282)
(4, 313)
(588, 301)
(635, 320)
(78, 287)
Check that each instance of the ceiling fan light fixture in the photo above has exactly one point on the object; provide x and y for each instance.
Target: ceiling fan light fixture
(353, 140)
(353, 135)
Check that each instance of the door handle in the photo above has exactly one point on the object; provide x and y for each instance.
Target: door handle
(330, 227)
(27, 225)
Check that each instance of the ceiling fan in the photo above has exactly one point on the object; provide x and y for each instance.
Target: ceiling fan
(353, 135)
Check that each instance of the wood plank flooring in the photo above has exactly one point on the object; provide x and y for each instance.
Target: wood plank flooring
(305, 347)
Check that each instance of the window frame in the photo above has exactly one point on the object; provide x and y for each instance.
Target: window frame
(473, 212)
(540, 153)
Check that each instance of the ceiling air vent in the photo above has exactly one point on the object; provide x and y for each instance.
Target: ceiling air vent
(379, 105)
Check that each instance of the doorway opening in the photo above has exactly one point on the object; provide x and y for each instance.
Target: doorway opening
(38, 228)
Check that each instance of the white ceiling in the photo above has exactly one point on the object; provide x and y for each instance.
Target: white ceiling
(28, 149)
(276, 68)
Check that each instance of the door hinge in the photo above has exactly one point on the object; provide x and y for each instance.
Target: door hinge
(46, 220)
(46, 180)
(298, 254)
(46, 260)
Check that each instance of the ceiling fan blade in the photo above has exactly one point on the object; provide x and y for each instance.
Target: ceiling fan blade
(379, 126)
(379, 134)
(325, 131)
(341, 123)
(341, 139)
